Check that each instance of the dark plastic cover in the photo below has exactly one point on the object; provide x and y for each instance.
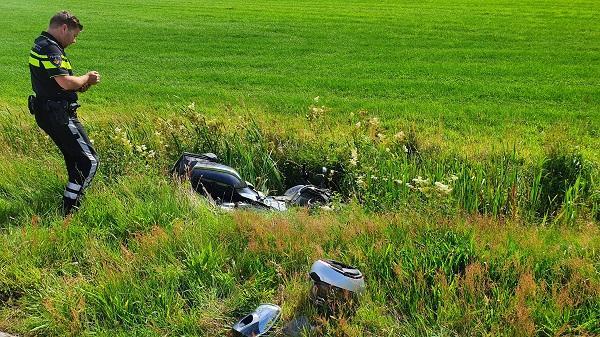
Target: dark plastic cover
(188, 160)
(217, 180)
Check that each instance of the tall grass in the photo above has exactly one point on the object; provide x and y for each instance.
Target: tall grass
(445, 240)
(161, 262)
(382, 171)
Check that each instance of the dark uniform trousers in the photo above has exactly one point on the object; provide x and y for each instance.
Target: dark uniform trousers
(59, 121)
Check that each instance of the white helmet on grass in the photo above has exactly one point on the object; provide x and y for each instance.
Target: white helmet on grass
(335, 285)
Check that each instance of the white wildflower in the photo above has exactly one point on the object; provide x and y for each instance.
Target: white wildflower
(420, 181)
(353, 156)
(360, 181)
(400, 136)
(442, 188)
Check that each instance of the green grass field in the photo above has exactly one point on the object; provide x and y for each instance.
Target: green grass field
(461, 71)
(464, 139)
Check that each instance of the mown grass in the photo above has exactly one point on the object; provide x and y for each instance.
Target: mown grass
(469, 75)
(461, 137)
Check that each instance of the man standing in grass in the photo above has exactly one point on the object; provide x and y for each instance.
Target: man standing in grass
(55, 103)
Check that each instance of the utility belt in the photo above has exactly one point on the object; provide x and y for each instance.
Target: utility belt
(39, 105)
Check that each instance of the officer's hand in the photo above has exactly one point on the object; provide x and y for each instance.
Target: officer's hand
(93, 77)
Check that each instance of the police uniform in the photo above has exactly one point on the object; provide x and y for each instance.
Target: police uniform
(55, 113)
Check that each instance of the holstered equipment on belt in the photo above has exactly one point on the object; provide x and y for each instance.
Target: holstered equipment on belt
(69, 107)
(37, 105)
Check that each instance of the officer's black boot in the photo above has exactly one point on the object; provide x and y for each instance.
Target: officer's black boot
(70, 205)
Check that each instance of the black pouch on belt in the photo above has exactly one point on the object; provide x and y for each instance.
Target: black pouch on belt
(31, 104)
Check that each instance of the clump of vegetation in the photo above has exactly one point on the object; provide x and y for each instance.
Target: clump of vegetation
(565, 179)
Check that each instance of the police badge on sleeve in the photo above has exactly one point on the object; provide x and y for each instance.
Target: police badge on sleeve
(55, 60)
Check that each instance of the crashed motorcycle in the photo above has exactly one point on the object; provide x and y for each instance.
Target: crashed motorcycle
(225, 187)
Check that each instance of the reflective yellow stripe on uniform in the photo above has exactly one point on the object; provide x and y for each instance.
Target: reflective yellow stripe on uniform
(48, 65)
(38, 55)
(66, 65)
(35, 59)
(34, 62)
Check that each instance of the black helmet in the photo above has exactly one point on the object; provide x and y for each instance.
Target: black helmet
(307, 195)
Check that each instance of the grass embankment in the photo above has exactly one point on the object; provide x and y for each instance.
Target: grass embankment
(383, 172)
(464, 137)
(146, 257)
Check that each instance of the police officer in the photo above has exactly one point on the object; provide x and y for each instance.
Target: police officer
(55, 103)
